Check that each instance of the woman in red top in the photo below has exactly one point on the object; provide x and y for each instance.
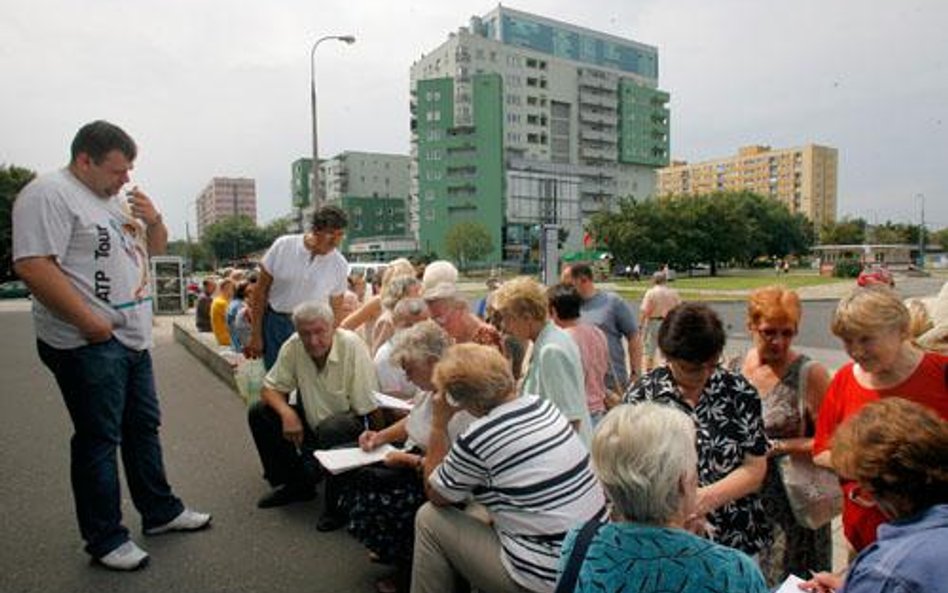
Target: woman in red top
(874, 327)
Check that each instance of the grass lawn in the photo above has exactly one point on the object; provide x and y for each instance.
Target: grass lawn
(734, 282)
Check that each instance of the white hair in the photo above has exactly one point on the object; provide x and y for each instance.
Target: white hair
(312, 310)
(642, 454)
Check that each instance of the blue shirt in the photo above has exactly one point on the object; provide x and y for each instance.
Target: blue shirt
(910, 556)
(615, 318)
(647, 559)
(233, 309)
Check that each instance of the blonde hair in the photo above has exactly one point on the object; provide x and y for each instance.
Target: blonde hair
(523, 298)
(869, 311)
(476, 376)
(397, 268)
(919, 319)
(641, 454)
(774, 304)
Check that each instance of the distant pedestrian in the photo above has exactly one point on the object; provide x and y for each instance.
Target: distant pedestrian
(657, 302)
(83, 251)
(202, 310)
(636, 272)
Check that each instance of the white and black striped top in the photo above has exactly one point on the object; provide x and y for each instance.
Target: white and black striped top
(524, 462)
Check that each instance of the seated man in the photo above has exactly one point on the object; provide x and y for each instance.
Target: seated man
(332, 373)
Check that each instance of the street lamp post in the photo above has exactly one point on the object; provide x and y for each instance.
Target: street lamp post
(921, 235)
(348, 39)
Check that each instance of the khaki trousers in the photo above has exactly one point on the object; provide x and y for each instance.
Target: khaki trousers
(451, 544)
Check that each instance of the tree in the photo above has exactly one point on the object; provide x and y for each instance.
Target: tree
(717, 228)
(893, 233)
(849, 231)
(468, 241)
(939, 237)
(195, 253)
(232, 238)
(12, 180)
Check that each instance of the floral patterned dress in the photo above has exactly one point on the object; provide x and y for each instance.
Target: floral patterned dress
(795, 548)
(729, 426)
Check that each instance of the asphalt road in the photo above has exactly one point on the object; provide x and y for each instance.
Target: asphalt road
(212, 464)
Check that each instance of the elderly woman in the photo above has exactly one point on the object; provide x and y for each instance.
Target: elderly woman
(645, 457)
(565, 304)
(368, 314)
(555, 368)
(873, 324)
(726, 410)
(520, 459)
(453, 313)
(791, 388)
(896, 453)
(382, 508)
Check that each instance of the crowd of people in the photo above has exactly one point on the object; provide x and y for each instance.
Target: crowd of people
(543, 450)
(518, 458)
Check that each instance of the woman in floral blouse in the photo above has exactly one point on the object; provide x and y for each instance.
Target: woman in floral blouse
(726, 411)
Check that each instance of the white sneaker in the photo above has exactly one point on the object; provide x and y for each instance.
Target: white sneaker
(128, 556)
(188, 520)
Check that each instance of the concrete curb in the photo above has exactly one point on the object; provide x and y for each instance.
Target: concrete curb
(204, 352)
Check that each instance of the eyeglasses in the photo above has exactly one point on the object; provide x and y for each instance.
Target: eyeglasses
(861, 497)
(772, 333)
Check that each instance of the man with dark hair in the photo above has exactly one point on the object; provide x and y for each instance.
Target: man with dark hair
(565, 305)
(614, 317)
(298, 268)
(83, 251)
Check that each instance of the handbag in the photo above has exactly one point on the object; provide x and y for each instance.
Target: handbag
(813, 492)
(567, 582)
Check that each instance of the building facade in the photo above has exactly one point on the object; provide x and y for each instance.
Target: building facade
(803, 178)
(224, 197)
(519, 120)
(373, 189)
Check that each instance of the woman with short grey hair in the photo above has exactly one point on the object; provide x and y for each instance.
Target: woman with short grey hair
(645, 458)
(382, 508)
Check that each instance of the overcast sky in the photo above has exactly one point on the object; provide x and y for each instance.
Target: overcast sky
(221, 88)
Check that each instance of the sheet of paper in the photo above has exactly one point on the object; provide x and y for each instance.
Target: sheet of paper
(387, 401)
(337, 461)
(791, 585)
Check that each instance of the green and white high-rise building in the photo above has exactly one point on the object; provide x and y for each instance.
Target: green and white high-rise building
(519, 120)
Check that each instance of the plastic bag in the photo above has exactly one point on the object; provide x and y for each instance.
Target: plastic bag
(249, 379)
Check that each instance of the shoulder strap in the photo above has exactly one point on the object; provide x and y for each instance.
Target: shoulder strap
(801, 391)
(567, 582)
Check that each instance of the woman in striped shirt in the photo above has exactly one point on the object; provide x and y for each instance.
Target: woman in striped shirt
(521, 459)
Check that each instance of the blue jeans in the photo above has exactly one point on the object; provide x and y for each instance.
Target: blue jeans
(109, 390)
(277, 327)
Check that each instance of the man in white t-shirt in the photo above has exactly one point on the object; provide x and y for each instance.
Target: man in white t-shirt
(296, 269)
(83, 251)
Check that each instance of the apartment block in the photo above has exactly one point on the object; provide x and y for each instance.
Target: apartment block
(373, 189)
(520, 120)
(224, 197)
(803, 178)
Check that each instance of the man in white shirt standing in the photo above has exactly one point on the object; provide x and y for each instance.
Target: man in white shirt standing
(298, 268)
(83, 251)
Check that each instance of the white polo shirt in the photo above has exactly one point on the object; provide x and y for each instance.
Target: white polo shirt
(298, 276)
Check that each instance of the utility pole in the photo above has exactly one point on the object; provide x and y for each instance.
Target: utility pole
(921, 236)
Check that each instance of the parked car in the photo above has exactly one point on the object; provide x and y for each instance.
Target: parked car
(14, 289)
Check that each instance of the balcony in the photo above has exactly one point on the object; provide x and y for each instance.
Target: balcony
(597, 135)
(598, 153)
(601, 100)
(598, 117)
(597, 80)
